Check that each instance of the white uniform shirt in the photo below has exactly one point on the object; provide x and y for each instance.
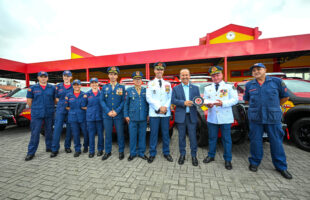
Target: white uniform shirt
(228, 95)
(158, 96)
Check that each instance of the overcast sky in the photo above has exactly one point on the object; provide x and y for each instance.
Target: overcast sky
(41, 30)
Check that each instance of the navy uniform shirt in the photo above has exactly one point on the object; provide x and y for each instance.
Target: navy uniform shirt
(94, 110)
(61, 93)
(76, 113)
(136, 106)
(112, 100)
(43, 101)
(264, 100)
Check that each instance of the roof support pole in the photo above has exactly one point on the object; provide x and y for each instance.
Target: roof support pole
(27, 79)
(147, 71)
(225, 68)
(87, 74)
(276, 65)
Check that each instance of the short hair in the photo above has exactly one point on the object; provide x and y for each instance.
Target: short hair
(185, 69)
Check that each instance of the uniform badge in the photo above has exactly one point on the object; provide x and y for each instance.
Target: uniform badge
(66, 98)
(167, 88)
(213, 69)
(223, 93)
(56, 88)
(198, 101)
(29, 90)
(120, 91)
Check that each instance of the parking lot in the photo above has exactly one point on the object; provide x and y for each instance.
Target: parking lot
(66, 177)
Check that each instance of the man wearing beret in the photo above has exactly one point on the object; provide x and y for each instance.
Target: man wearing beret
(41, 100)
(265, 95)
(220, 97)
(136, 111)
(112, 100)
(158, 95)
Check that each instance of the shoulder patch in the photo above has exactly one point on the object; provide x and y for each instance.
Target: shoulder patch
(283, 84)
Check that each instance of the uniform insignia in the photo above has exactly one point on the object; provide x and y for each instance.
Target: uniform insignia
(29, 90)
(137, 73)
(283, 84)
(85, 96)
(233, 87)
(223, 93)
(66, 98)
(120, 91)
(107, 89)
(167, 88)
(56, 88)
(213, 69)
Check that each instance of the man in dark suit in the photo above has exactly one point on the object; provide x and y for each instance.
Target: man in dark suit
(186, 115)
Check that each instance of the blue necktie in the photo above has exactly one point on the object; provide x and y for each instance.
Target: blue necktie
(216, 86)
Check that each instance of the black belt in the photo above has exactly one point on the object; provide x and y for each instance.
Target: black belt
(188, 113)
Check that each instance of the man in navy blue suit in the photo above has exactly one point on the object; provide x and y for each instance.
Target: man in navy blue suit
(186, 115)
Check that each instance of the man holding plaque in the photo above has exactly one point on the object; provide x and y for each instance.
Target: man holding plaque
(219, 98)
(186, 115)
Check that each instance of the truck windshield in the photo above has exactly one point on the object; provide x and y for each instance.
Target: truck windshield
(297, 85)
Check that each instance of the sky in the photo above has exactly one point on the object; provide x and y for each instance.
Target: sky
(43, 30)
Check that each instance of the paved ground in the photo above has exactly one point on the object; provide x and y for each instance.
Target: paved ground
(66, 177)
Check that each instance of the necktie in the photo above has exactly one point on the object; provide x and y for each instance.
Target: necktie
(216, 86)
(159, 83)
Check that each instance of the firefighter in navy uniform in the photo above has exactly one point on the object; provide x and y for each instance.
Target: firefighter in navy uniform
(41, 100)
(136, 113)
(94, 118)
(265, 95)
(112, 100)
(61, 115)
(158, 95)
(76, 104)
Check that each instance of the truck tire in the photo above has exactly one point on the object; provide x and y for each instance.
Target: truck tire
(201, 133)
(300, 133)
(2, 127)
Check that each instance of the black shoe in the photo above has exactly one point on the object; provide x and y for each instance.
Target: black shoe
(228, 165)
(253, 168)
(54, 154)
(194, 161)
(100, 153)
(85, 150)
(77, 154)
(168, 157)
(285, 174)
(151, 159)
(208, 159)
(68, 150)
(48, 150)
(91, 155)
(29, 157)
(106, 156)
(181, 159)
(130, 158)
(121, 155)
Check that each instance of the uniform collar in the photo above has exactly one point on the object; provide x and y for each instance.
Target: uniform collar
(220, 83)
(156, 79)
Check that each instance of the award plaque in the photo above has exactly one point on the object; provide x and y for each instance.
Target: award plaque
(198, 101)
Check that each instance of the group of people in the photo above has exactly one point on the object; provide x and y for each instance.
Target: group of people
(98, 110)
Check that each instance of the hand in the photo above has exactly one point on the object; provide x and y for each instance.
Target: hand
(84, 108)
(127, 119)
(188, 103)
(110, 114)
(114, 113)
(162, 110)
(148, 118)
(210, 105)
(218, 103)
(68, 108)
